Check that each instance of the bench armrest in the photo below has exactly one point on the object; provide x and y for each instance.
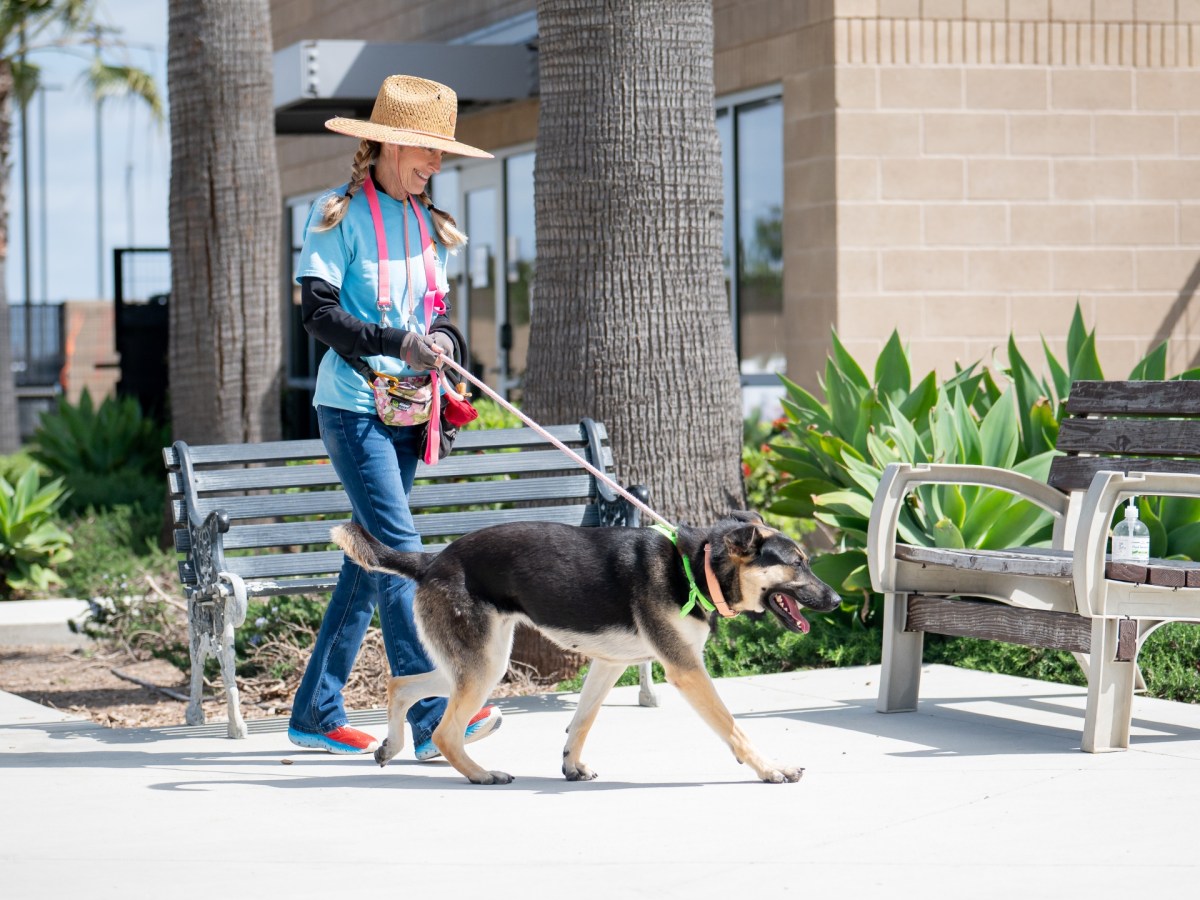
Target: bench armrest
(899, 479)
(1106, 492)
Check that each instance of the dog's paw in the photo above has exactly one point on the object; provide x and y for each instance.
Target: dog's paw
(382, 755)
(789, 774)
(493, 777)
(577, 772)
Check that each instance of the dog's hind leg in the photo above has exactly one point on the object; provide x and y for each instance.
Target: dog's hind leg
(403, 691)
(698, 689)
(466, 700)
(478, 667)
(601, 676)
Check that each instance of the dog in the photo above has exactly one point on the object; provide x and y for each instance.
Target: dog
(612, 594)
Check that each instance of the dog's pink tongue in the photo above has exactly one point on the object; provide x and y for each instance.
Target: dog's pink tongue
(793, 610)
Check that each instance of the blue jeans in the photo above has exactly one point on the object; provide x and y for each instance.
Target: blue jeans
(376, 464)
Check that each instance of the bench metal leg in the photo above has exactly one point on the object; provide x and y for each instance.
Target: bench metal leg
(1110, 692)
(646, 695)
(900, 676)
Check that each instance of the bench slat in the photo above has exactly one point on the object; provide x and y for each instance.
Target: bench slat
(1134, 437)
(998, 622)
(283, 451)
(289, 534)
(1074, 473)
(1015, 561)
(1147, 398)
(424, 496)
(474, 465)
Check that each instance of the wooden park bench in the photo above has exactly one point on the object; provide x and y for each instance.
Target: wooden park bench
(1119, 439)
(253, 520)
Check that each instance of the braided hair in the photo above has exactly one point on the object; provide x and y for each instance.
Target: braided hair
(335, 207)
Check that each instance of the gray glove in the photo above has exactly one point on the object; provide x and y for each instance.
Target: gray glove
(419, 351)
(443, 340)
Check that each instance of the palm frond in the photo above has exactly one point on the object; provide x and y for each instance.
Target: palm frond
(106, 80)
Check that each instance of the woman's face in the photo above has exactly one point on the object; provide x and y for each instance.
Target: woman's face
(411, 167)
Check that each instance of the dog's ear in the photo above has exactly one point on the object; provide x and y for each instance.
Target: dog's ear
(743, 543)
(747, 515)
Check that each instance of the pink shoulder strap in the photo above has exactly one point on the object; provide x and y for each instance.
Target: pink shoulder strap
(434, 304)
(384, 303)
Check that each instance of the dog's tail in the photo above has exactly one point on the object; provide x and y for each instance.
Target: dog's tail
(375, 556)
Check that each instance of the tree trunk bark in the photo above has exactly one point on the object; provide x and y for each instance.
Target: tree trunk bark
(10, 436)
(225, 345)
(630, 321)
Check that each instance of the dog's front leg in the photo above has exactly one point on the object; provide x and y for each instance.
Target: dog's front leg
(601, 677)
(403, 691)
(697, 688)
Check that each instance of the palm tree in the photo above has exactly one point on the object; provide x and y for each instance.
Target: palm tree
(631, 323)
(225, 357)
(27, 29)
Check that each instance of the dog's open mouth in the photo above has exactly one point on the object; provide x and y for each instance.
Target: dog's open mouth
(788, 610)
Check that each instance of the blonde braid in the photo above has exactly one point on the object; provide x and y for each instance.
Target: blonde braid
(335, 207)
(443, 223)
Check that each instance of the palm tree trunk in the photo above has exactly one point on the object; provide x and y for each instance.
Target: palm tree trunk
(630, 319)
(631, 322)
(225, 345)
(10, 437)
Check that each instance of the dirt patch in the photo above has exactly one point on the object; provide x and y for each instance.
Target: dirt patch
(109, 686)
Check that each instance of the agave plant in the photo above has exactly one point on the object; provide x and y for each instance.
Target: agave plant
(834, 452)
(31, 542)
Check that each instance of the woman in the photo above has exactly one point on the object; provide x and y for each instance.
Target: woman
(392, 329)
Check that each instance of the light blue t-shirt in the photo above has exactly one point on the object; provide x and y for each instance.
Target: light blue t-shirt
(347, 257)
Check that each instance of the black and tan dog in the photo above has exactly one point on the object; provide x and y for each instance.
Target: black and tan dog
(613, 594)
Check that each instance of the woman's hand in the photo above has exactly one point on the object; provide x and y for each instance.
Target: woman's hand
(420, 351)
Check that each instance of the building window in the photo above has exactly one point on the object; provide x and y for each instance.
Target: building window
(750, 128)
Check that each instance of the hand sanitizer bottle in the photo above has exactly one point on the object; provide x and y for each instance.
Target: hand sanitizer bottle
(1131, 537)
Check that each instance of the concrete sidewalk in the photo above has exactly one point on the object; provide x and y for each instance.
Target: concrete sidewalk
(982, 793)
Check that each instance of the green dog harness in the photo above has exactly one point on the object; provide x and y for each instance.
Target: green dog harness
(694, 595)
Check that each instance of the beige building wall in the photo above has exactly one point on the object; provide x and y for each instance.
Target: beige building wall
(956, 169)
(1000, 161)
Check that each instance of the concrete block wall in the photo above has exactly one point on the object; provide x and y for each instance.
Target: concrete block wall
(999, 162)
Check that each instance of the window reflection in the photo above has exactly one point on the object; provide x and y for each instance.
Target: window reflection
(521, 255)
(751, 136)
(760, 234)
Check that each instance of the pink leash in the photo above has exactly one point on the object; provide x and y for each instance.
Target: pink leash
(447, 361)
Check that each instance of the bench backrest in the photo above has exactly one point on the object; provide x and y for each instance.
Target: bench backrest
(1127, 426)
(284, 495)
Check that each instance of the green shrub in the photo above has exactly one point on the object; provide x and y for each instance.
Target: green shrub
(114, 551)
(31, 541)
(492, 415)
(107, 455)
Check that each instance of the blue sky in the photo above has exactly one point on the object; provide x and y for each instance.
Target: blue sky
(136, 166)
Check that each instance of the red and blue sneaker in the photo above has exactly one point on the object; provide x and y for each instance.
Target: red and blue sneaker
(485, 722)
(341, 740)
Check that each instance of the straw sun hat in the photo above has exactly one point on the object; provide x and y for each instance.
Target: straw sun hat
(411, 111)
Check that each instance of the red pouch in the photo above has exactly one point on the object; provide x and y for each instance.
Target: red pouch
(458, 411)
